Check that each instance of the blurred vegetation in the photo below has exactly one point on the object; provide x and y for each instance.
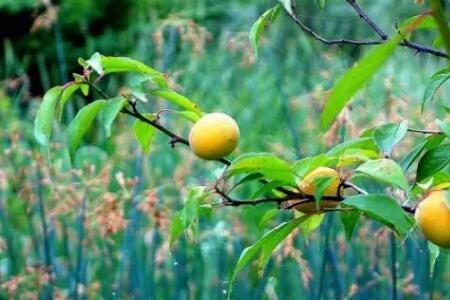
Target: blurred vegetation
(102, 228)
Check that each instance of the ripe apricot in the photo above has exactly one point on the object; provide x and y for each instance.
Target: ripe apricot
(308, 186)
(433, 218)
(214, 136)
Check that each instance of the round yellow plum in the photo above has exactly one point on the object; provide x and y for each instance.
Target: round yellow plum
(214, 136)
(433, 218)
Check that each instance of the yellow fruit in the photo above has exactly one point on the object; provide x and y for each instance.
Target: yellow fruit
(214, 136)
(308, 187)
(433, 218)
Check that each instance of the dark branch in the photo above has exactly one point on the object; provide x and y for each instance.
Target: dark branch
(425, 131)
(419, 48)
(366, 18)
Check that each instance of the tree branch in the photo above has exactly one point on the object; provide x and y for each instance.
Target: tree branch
(423, 131)
(419, 48)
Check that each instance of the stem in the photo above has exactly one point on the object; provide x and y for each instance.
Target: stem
(423, 131)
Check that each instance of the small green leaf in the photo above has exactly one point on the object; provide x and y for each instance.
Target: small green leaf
(258, 27)
(144, 134)
(388, 135)
(95, 62)
(355, 78)
(288, 5)
(269, 165)
(384, 209)
(321, 183)
(444, 126)
(265, 246)
(178, 99)
(66, 94)
(308, 164)
(433, 161)
(349, 219)
(322, 3)
(310, 224)
(436, 81)
(356, 156)
(44, 117)
(176, 227)
(434, 254)
(113, 64)
(268, 215)
(384, 170)
(364, 143)
(81, 123)
(109, 113)
(267, 188)
(415, 152)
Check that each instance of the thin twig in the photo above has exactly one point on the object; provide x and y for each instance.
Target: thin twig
(364, 16)
(423, 131)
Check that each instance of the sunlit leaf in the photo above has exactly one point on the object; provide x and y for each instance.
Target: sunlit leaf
(310, 224)
(355, 78)
(271, 166)
(177, 99)
(44, 117)
(384, 170)
(365, 143)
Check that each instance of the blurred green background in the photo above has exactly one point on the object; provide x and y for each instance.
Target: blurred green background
(103, 230)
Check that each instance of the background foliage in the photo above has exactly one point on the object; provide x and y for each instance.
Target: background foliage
(104, 229)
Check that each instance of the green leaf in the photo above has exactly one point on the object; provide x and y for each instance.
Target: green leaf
(258, 27)
(95, 62)
(109, 113)
(177, 99)
(189, 115)
(267, 164)
(388, 135)
(306, 165)
(113, 64)
(44, 117)
(384, 170)
(355, 78)
(268, 215)
(433, 161)
(415, 152)
(176, 227)
(434, 254)
(265, 246)
(310, 224)
(322, 3)
(81, 123)
(436, 81)
(356, 156)
(444, 126)
(144, 134)
(288, 5)
(384, 209)
(364, 143)
(65, 96)
(349, 219)
(321, 183)
(267, 188)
